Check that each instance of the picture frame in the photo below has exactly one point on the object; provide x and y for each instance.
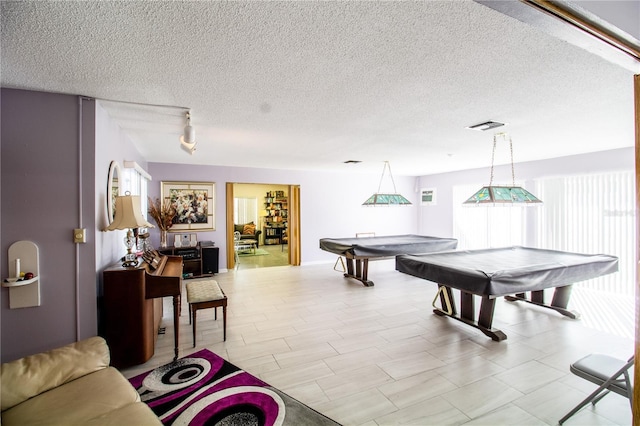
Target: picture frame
(428, 196)
(194, 203)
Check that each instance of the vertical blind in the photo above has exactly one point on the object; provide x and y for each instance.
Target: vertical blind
(245, 210)
(592, 214)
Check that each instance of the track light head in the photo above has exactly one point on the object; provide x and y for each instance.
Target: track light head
(188, 138)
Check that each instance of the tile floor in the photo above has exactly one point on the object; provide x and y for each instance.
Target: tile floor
(378, 356)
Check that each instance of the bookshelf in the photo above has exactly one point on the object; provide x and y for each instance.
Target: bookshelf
(275, 221)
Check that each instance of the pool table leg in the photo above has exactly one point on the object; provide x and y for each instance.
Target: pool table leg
(349, 268)
(559, 302)
(467, 311)
(485, 319)
(361, 270)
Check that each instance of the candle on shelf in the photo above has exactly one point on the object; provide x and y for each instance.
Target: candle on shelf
(17, 268)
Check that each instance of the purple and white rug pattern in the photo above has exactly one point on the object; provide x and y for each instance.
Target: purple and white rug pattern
(204, 389)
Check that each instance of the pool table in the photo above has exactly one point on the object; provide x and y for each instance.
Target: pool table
(361, 250)
(510, 272)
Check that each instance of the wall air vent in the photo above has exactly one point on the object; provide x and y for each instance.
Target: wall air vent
(487, 125)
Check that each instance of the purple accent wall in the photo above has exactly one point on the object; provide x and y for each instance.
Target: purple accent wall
(45, 195)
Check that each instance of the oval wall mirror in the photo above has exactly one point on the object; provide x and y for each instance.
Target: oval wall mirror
(113, 190)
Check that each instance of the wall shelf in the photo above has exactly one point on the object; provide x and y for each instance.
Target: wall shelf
(23, 293)
(8, 282)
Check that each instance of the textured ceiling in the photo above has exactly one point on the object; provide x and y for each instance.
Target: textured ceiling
(309, 85)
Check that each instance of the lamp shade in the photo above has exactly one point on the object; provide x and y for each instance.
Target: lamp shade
(386, 200)
(502, 195)
(128, 214)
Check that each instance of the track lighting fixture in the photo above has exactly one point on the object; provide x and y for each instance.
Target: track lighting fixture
(188, 139)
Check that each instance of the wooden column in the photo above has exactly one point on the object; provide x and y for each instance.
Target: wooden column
(293, 226)
(231, 261)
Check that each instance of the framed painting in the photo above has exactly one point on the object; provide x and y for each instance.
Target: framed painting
(194, 203)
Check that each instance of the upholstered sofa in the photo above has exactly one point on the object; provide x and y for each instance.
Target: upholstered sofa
(246, 233)
(71, 385)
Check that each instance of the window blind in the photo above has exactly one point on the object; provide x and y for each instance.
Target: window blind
(245, 210)
(592, 214)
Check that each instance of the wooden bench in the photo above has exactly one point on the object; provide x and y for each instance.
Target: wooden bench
(204, 294)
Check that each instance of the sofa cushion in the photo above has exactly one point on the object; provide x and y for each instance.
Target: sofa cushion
(249, 229)
(238, 228)
(32, 375)
(78, 401)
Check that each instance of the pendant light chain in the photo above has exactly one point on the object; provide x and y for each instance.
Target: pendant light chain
(513, 172)
(384, 169)
(391, 175)
(382, 177)
(493, 156)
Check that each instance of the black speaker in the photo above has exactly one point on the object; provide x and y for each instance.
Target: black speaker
(209, 260)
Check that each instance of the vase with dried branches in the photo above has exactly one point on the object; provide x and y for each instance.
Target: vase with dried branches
(163, 213)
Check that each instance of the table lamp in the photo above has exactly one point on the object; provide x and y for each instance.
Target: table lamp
(128, 216)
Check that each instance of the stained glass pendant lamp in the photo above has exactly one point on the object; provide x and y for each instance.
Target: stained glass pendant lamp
(380, 199)
(502, 194)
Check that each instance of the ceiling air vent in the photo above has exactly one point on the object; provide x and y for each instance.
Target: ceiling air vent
(487, 125)
(352, 162)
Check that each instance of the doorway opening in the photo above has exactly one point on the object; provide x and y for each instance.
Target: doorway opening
(261, 221)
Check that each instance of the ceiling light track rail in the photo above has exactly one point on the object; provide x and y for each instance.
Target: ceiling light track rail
(175, 107)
